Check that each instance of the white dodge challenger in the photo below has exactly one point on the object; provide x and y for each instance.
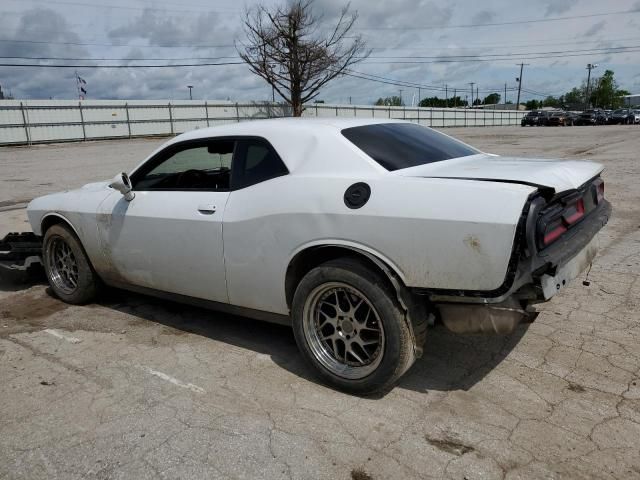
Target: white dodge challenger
(357, 233)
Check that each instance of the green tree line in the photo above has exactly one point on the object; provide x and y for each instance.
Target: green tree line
(604, 92)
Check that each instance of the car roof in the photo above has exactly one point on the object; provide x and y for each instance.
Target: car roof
(265, 126)
(297, 141)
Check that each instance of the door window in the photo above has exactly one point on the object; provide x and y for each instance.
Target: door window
(196, 167)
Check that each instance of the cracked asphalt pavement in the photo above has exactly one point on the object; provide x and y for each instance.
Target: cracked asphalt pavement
(135, 387)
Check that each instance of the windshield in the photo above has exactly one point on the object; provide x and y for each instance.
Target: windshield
(402, 145)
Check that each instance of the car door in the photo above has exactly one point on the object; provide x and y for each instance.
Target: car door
(169, 237)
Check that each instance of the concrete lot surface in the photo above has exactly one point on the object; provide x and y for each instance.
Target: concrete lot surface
(133, 387)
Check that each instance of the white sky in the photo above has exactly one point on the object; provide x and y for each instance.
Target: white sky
(143, 29)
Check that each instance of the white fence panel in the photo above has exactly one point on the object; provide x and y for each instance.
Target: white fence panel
(70, 120)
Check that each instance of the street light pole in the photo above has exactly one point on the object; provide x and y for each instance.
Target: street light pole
(590, 66)
(190, 87)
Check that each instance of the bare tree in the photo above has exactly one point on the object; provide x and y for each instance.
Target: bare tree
(285, 47)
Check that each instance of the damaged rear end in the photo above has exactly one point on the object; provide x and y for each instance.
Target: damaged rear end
(19, 253)
(555, 240)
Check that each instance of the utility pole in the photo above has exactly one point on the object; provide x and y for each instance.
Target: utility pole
(590, 66)
(505, 95)
(472, 84)
(190, 87)
(519, 80)
(477, 93)
(454, 98)
(400, 97)
(446, 95)
(419, 96)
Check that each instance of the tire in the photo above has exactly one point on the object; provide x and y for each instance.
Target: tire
(67, 267)
(384, 349)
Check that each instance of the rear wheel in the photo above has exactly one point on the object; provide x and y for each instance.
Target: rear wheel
(349, 326)
(67, 267)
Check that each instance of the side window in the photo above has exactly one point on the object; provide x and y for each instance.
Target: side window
(256, 161)
(201, 167)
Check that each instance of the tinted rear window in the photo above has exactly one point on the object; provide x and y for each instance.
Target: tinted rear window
(403, 145)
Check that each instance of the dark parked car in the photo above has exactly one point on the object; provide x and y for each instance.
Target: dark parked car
(594, 116)
(622, 116)
(560, 118)
(534, 118)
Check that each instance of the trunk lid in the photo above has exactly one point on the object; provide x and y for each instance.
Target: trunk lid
(561, 175)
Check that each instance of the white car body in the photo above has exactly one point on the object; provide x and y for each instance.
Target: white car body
(444, 229)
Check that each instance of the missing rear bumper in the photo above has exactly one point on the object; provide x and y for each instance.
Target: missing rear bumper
(497, 318)
(19, 252)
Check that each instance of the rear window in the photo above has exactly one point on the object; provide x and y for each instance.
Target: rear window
(403, 145)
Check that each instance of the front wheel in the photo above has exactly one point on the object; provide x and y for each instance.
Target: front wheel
(348, 325)
(67, 267)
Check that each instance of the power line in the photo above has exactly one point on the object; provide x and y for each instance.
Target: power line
(108, 5)
(493, 46)
(122, 59)
(440, 58)
(472, 60)
(594, 51)
(85, 44)
(175, 65)
(499, 24)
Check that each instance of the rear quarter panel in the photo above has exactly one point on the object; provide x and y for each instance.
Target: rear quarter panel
(435, 233)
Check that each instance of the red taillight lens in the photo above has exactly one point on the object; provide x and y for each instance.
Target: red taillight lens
(574, 212)
(553, 232)
(600, 192)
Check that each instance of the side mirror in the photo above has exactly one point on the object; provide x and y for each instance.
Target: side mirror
(122, 184)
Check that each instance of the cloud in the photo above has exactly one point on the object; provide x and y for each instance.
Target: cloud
(207, 29)
(393, 28)
(594, 29)
(483, 16)
(557, 7)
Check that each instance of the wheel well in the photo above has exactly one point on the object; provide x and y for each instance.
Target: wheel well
(310, 258)
(51, 220)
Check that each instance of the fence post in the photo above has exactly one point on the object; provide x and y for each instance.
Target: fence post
(170, 118)
(373, 112)
(26, 124)
(431, 117)
(206, 112)
(355, 113)
(84, 133)
(336, 111)
(126, 109)
(316, 110)
(237, 113)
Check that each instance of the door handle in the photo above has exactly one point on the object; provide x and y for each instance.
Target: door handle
(207, 209)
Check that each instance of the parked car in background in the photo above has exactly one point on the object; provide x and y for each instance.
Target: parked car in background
(354, 232)
(622, 116)
(560, 118)
(534, 118)
(593, 116)
(636, 116)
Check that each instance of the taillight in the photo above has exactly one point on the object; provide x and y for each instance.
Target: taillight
(553, 231)
(600, 192)
(574, 212)
(567, 211)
